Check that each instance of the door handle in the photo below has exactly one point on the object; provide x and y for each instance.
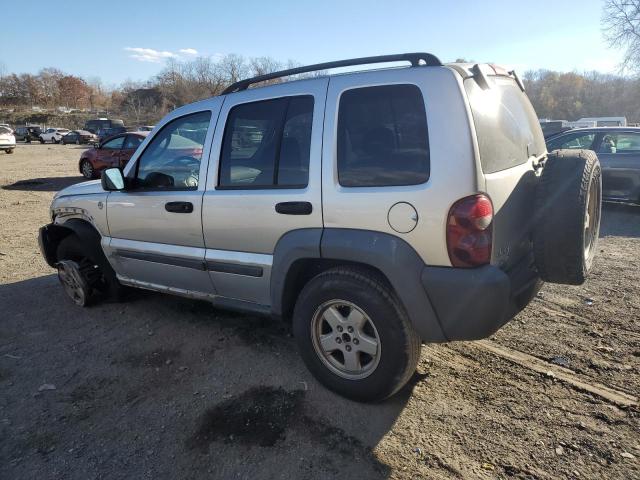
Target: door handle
(294, 208)
(179, 207)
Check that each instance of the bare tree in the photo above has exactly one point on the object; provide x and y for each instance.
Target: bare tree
(621, 29)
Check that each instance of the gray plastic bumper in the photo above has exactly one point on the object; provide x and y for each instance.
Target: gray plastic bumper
(474, 303)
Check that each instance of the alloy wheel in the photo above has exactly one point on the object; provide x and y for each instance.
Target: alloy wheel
(345, 339)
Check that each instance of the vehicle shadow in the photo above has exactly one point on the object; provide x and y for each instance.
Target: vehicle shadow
(210, 386)
(44, 184)
(620, 220)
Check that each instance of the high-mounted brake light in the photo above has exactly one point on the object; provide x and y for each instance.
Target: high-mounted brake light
(469, 231)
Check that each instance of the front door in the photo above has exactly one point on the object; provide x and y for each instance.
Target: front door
(108, 155)
(155, 224)
(131, 143)
(264, 181)
(619, 155)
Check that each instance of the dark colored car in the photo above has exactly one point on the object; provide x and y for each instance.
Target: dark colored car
(78, 137)
(113, 152)
(618, 149)
(105, 133)
(28, 134)
(101, 123)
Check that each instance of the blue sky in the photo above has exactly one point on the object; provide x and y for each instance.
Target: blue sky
(117, 40)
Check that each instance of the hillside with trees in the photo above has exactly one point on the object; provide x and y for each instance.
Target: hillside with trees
(52, 96)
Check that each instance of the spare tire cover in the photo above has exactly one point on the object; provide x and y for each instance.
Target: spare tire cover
(567, 222)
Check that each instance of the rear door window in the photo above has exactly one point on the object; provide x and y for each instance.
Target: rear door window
(507, 126)
(382, 137)
(267, 144)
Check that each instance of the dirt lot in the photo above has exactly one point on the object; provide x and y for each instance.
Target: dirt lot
(163, 387)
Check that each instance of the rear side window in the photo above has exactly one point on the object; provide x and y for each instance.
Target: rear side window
(267, 144)
(506, 124)
(382, 137)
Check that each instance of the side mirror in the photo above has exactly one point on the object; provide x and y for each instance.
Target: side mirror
(112, 180)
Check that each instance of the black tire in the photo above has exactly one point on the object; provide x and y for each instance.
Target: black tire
(41, 140)
(87, 171)
(9, 151)
(399, 344)
(568, 209)
(100, 276)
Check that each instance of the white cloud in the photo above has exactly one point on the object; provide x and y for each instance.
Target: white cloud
(157, 56)
(149, 54)
(188, 51)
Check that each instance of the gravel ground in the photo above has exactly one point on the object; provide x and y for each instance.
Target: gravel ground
(163, 387)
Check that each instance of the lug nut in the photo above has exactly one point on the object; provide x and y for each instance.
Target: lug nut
(348, 348)
(338, 340)
(356, 341)
(339, 328)
(350, 329)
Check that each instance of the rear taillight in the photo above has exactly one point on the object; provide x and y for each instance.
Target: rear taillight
(469, 231)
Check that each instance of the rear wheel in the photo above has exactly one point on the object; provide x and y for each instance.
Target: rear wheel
(87, 169)
(9, 151)
(354, 335)
(41, 140)
(569, 201)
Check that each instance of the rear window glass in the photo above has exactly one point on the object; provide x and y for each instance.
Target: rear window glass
(506, 124)
(382, 137)
(4, 130)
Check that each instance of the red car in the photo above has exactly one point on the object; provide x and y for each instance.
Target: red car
(115, 151)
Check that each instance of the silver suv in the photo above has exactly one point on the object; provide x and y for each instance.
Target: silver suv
(376, 210)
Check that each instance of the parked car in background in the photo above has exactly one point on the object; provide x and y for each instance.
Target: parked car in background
(113, 152)
(618, 149)
(53, 135)
(28, 134)
(105, 133)
(101, 123)
(7, 140)
(606, 121)
(79, 137)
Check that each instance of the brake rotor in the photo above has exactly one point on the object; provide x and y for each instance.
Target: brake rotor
(75, 284)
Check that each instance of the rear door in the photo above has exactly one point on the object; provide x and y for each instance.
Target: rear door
(509, 140)
(263, 182)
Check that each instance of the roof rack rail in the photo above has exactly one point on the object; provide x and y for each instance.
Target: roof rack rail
(415, 58)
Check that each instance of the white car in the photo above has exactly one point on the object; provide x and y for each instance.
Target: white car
(7, 140)
(53, 135)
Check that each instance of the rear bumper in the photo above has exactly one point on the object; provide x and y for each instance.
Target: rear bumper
(474, 303)
(7, 145)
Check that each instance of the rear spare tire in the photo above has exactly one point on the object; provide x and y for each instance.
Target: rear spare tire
(568, 204)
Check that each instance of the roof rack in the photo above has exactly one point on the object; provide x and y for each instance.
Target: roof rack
(415, 58)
